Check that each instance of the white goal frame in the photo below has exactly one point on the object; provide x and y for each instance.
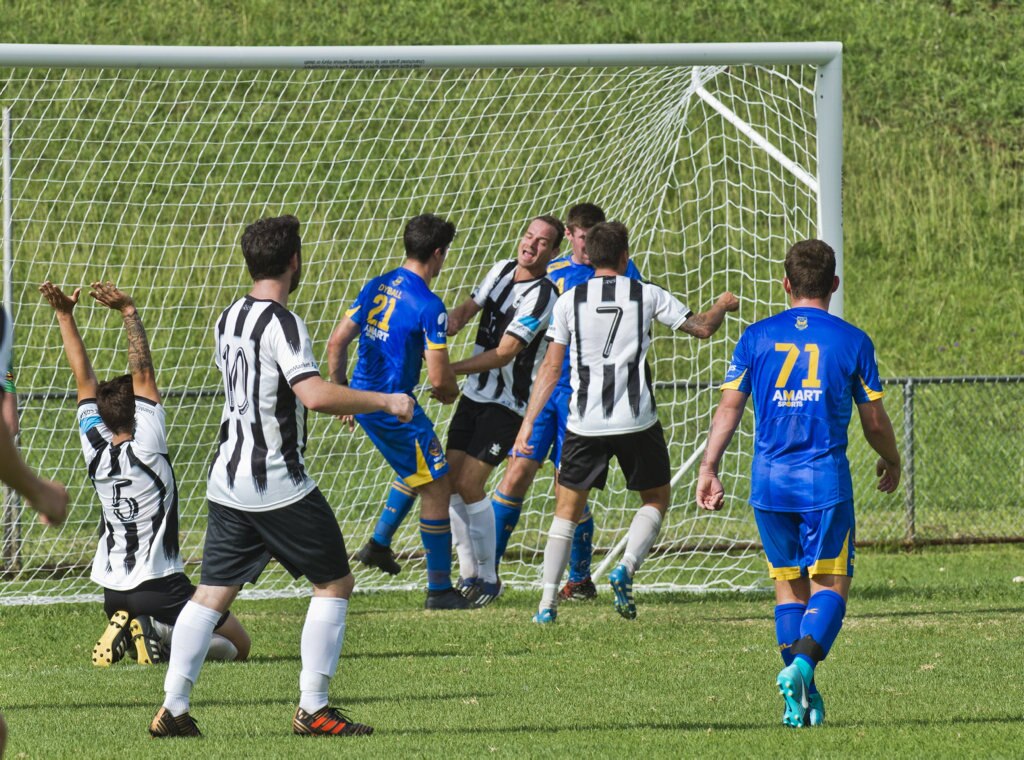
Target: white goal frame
(825, 56)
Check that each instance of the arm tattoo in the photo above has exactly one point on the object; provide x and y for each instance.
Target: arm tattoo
(139, 359)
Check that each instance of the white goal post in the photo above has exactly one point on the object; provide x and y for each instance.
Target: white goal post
(144, 164)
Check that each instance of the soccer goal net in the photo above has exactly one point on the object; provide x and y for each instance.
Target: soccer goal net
(143, 166)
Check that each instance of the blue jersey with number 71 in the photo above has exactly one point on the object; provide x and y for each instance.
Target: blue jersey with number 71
(804, 369)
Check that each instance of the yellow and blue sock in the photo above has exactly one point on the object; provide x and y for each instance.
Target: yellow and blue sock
(582, 547)
(400, 501)
(506, 516)
(437, 542)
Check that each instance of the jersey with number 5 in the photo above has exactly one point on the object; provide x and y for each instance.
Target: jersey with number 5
(399, 318)
(804, 369)
(605, 324)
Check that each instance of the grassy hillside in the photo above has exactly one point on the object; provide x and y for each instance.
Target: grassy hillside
(934, 102)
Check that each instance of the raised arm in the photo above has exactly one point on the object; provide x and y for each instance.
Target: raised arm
(74, 348)
(461, 314)
(547, 378)
(140, 361)
(337, 350)
(877, 427)
(705, 324)
(443, 384)
(710, 494)
(506, 351)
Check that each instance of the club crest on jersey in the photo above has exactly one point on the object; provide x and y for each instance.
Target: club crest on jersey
(434, 449)
(397, 281)
(801, 323)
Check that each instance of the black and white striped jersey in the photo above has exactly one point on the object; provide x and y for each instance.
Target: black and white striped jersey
(523, 310)
(138, 494)
(606, 325)
(262, 351)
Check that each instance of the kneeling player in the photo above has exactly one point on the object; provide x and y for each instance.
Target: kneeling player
(805, 368)
(605, 325)
(124, 440)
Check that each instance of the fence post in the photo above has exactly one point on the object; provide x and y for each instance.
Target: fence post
(908, 460)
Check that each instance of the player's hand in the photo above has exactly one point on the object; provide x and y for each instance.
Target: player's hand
(888, 475)
(728, 302)
(61, 303)
(400, 405)
(439, 394)
(349, 420)
(51, 502)
(108, 295)
(522, 445)
(710, 494)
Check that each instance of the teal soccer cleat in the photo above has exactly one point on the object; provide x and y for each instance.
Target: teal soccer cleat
(622, 586)
(815, 709)
(545, 616)
(792, 682)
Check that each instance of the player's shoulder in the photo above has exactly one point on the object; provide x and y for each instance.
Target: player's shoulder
(557, 265)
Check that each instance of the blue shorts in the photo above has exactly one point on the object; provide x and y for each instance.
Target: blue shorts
(549, 428)
(799, 544)
(412, 449)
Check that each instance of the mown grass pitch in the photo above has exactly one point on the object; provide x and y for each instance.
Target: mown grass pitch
(927, 663)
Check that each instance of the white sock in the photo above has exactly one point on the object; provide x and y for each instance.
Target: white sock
(482, 534)
(556, 559)
(190, 640)
(322, 637)
(221, 648)
(642, 533)
(461, 537)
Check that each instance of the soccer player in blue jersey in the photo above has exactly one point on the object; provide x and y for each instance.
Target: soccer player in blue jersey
(549, 429)
(400, 323)
(804, 368)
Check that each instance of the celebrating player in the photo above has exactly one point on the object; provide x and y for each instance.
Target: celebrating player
(47, 497)
(604, 325)
(399, 321)
(515, 300)
(124, 440)
(803, 367)
(262, 504)
(549, 428)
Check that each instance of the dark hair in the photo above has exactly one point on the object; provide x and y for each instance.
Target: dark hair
(269, 244)
(606, 242)
(584, 216)
(424, 234)
(116, 401)
(557, 224)
(810, 267)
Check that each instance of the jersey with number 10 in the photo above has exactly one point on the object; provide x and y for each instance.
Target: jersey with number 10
(399, 318)
(803, 368)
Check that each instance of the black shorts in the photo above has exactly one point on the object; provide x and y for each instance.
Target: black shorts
(303, 536)
(161, 598)
(643, 457)
(484, 431)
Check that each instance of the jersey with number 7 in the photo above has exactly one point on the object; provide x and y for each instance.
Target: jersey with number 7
(804, 368)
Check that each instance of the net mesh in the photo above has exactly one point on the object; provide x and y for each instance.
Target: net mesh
(148, 177)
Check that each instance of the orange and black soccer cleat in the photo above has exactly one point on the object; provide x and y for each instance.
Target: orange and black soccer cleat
(114, 642)
(165, 725)
(327, 721)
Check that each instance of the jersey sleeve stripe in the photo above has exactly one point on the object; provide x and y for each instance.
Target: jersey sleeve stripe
(734, 385)
(872, 394)
(435, 346)
(302, 376)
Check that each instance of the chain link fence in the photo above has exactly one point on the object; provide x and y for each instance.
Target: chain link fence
(962, 440)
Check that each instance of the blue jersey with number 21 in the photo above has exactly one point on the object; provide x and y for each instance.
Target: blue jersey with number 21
(399, 318)
(804, 369)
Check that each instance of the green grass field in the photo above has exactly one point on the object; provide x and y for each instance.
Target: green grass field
(927, 664)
